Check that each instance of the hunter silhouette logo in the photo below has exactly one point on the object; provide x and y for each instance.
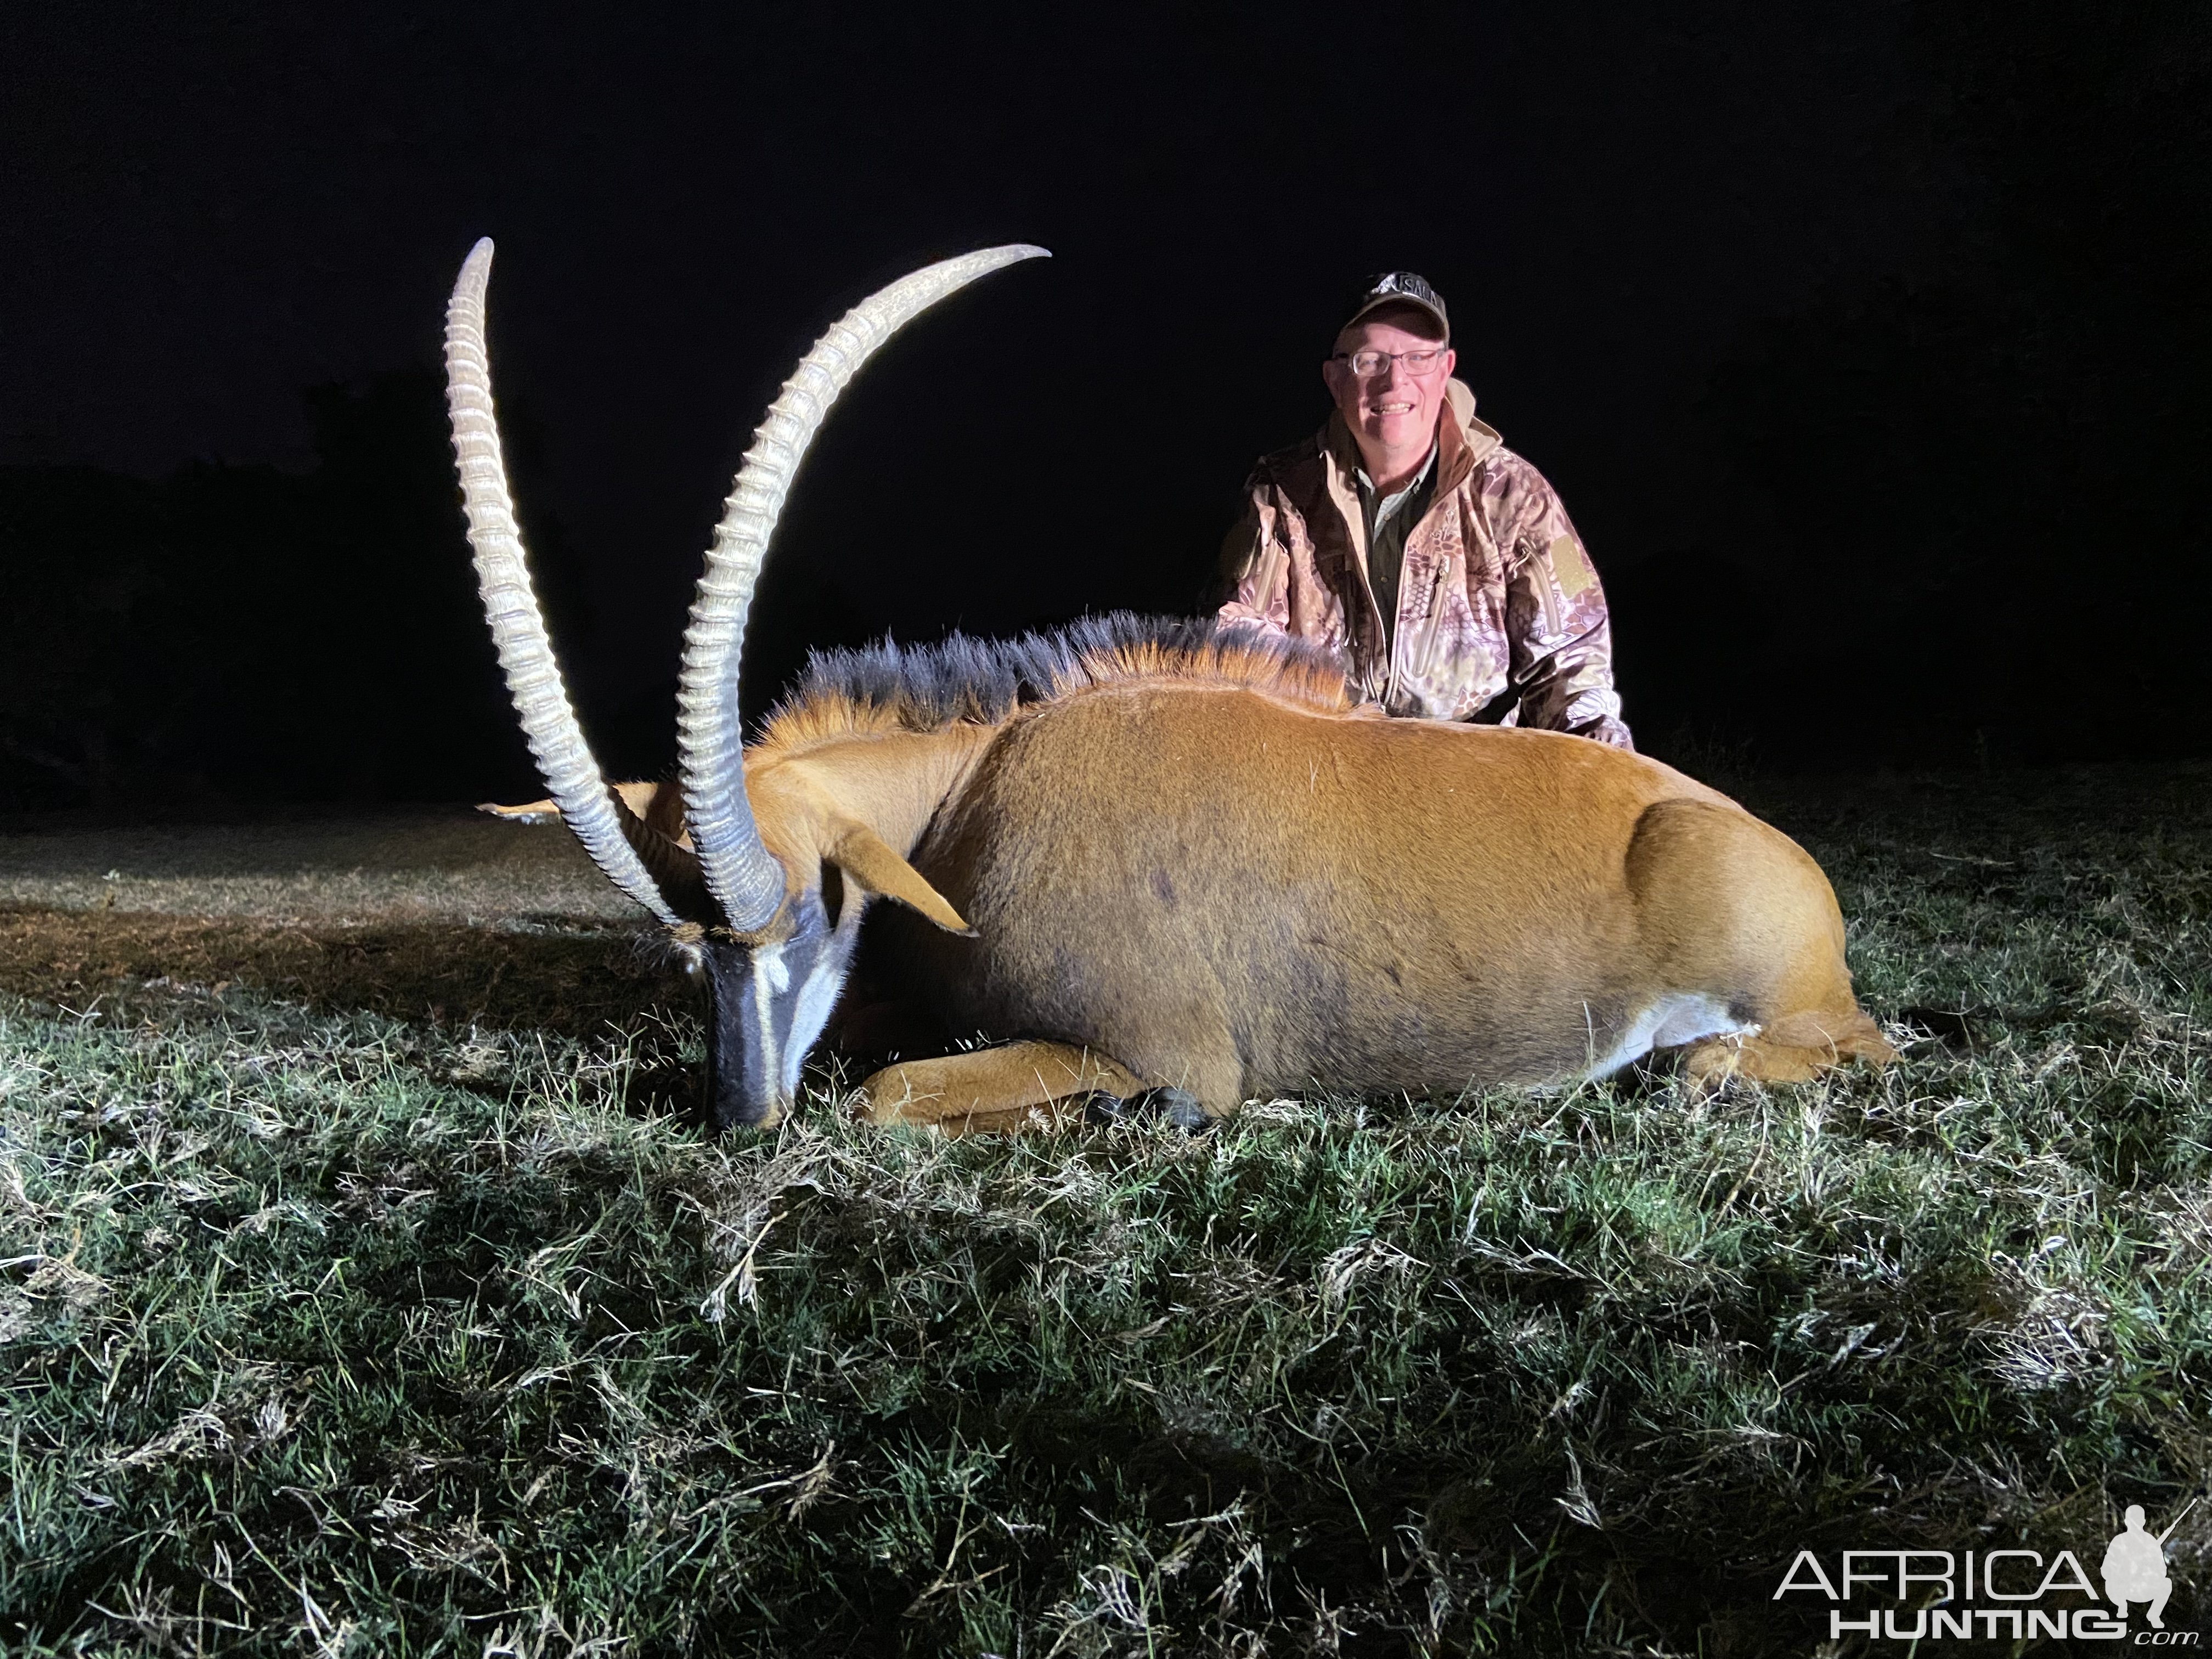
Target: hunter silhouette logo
(2135, 1566)
(2011, 1593)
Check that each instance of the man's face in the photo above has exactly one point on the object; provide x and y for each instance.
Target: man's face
(1395, 409)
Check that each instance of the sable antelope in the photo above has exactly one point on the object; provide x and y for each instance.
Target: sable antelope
(1155, 856)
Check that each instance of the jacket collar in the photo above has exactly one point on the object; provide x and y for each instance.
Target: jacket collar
(1464, 442)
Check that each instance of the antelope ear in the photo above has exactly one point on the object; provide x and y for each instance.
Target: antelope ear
(866, 858)
(538, 811)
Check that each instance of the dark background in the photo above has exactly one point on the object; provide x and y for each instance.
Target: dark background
(1868, 345)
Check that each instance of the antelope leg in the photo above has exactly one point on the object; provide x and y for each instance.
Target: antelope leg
(1007, 1090)
(1794, 1049)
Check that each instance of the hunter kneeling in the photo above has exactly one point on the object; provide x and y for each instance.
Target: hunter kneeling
(1434, 562)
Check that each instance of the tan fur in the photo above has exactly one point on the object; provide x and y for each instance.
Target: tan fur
(861, 853)
(1235, 897)
(859, 803)
(1015, 1085)
(1794, 1049)
(1212, 871)
(660, 804)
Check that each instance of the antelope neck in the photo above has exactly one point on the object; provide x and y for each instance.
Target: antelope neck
(895, 781)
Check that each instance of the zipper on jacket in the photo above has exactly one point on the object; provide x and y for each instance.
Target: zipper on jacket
(1375, 610)
(1397, 633)
(1432, 623)
(1274, 568)
(1392, 631)
(1544, 595)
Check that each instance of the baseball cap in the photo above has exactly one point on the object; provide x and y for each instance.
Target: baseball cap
(1401, 288)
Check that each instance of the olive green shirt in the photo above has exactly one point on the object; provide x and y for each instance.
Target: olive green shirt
(1389, 518)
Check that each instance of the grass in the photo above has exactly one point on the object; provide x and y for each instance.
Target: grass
(366, 1289)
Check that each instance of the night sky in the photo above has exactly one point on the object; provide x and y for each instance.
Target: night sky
(1766, 292)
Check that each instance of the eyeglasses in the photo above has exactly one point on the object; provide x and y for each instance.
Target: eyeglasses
(1367, 365)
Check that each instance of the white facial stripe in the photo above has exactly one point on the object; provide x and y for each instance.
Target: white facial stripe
(815, 998)
(769, 976)
(769, 964)
(777, 1064)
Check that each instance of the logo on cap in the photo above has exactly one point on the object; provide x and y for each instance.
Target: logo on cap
(1402, 288)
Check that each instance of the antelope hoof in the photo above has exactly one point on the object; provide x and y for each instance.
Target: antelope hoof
(1103, 1111)
(1179, 1108)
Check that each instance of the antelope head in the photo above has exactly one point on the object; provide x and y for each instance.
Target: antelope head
(771, 929)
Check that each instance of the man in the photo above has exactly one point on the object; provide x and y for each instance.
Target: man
(1405, 537)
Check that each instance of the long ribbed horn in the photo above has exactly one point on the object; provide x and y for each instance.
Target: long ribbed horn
(740, 873)
(600, 821)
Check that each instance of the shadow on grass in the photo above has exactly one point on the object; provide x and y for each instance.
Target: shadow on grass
(562, 980)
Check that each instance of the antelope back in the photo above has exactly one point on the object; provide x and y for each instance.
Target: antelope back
(1162, 870)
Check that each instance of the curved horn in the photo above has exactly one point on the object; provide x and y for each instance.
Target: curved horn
(738, 870)
(525, 654)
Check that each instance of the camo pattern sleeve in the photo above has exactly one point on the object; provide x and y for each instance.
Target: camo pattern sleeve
(1558, 633)
(1270, 573)
(1252, 566)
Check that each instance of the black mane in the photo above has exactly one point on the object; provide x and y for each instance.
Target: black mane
(962, 678)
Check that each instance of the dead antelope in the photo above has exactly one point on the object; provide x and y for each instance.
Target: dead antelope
(1150, 855)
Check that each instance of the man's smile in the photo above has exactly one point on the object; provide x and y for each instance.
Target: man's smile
(1394, 408)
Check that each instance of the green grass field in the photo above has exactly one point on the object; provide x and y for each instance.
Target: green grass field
(367, 1291)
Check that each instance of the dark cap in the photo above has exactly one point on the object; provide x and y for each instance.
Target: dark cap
(1401, 288)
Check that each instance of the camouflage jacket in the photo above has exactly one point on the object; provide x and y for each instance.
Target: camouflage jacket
(1496, 596)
